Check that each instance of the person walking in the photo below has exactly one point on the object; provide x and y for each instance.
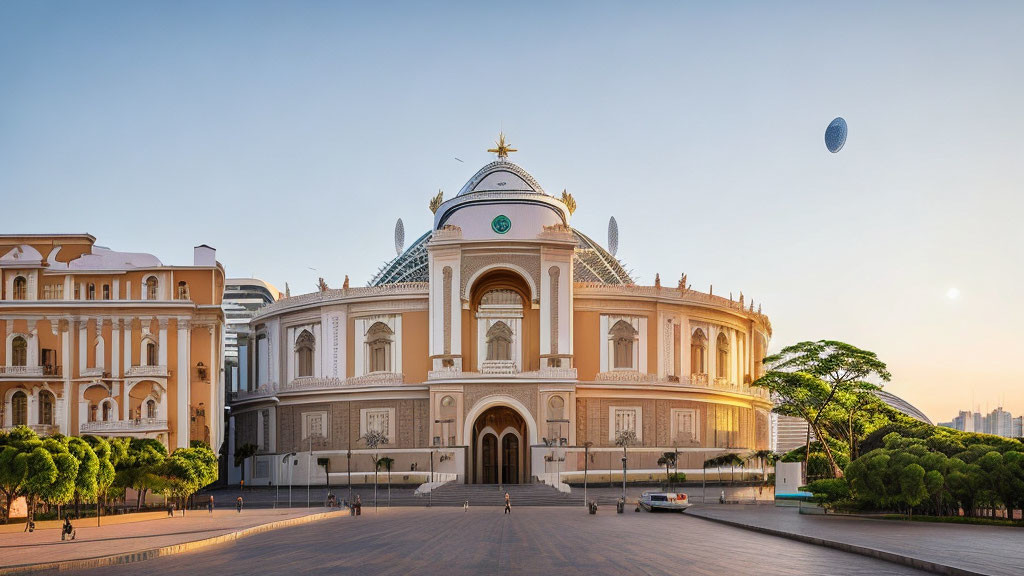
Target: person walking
(238, 504)
(170, 509)
(209, 505)
(508, 504)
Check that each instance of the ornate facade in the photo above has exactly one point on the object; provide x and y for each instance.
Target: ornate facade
(494, 349)
(110, 343)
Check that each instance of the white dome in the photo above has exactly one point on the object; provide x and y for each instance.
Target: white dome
(501, 176)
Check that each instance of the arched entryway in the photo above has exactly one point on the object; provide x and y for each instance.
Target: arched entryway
(499, 449)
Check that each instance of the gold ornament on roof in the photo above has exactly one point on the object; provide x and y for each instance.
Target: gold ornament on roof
(436, 201)
(503, 149)
(569, 202)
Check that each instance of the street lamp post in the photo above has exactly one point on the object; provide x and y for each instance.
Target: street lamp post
(586, 467)
(309, 467)
(430, 493)
(623, 478)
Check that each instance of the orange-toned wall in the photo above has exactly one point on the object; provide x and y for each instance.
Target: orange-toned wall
(415, 349)
(199, 390)
(586, 347)
(468, 342)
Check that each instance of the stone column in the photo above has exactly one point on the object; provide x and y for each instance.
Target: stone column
(161, 348)
(181, 417)
(83, 340)
(684, 344)
(115, 347)
(128, 321)
(64, 328)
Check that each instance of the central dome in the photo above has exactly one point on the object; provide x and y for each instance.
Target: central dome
(501, 176)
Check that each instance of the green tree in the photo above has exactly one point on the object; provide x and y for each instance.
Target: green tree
(807, 377)
(88, 467)
(16, 448)
(243, 453)
(140, 466)
(187, 470)
(912, 486)
(105, 471)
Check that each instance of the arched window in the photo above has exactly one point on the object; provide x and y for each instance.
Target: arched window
(19, 408)
(20, 288)
(151, 353)
(90, 292)
(698, 352)
(183, 290)
(304, 346)
(151, 288)
(19, 352)
(378, 343)
(45, 407)
(623, 337)
(499, 342)
(106, 411)
(722, 348)
(92, 412)
(106, 291)
(150, 408)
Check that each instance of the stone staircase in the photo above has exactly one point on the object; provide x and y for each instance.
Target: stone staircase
(452, 494)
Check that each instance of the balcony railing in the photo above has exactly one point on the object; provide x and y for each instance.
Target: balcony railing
(92, 372)
(136, 371)
(40, 429)
(21, 370)
(134, 425)
(544, 373)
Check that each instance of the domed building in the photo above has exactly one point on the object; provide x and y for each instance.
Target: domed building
(500, 347)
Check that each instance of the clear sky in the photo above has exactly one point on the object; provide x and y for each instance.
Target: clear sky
(291, 136)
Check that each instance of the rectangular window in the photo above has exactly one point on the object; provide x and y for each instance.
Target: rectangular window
(625, 419)
(685, 427)
(314, 425)
(622, 418)
(378, 420)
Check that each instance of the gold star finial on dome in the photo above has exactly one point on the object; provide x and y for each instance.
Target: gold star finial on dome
(503, 149)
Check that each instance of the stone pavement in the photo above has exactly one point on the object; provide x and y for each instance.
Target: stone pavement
(942, 548)
(21, 548)
(532, 540)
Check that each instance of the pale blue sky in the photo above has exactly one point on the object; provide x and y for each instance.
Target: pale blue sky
(291, 136)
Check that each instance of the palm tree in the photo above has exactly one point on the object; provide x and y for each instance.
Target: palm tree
(668, 460)
(625, 438)
(374, 439)
(386, 463)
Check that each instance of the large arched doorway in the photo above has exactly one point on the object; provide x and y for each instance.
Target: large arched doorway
(498, 446)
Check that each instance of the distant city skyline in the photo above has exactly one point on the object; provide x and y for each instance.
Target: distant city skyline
(304, 132)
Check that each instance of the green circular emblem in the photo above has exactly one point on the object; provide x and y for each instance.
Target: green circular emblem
(501, 224)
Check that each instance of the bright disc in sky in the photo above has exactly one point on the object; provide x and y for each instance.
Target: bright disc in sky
(835, 135)
(953, 293)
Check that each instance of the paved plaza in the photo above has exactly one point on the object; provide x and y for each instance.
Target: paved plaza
(532, 540)
(116, 536)
(996, 550)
